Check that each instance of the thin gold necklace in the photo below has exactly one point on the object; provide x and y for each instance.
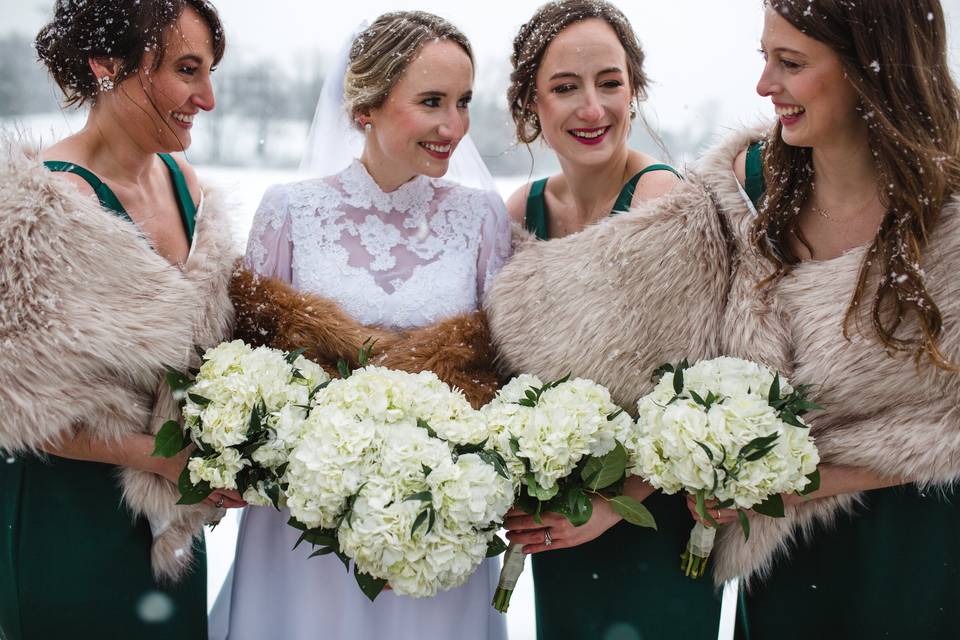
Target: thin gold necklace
(823, 213)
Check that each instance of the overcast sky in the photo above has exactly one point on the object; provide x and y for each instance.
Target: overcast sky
(701, 54)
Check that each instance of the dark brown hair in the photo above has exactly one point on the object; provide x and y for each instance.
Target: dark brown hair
(121, 29)
(894, 54)
(535, 36)
(384, 50)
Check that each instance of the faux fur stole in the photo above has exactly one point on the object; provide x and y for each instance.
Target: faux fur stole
(618, 299)
(882, 411)
(89, 317)
(271, 312)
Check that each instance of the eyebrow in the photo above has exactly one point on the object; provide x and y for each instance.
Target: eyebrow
(783, 50)
(570, 74)
(439, 94)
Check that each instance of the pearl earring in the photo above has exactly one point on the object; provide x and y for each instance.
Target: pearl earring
(367, 126)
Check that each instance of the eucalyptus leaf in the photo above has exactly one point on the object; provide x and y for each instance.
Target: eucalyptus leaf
(633, 511)
(322, 551)
(423, 424)
(706, 450)
(579, 508)
(495, 460)
(169, 440)
(343, 368)
(421, 518)
(774, 394)
(703, 512)
(198, 399)
(538, 492)
(423, 496)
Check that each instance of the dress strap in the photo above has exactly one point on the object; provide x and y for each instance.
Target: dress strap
(108, 200)
(626, 194)
(188, 210)
(754, 184)
(535, 217)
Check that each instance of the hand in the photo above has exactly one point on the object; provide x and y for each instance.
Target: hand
(722, 516)
(522, 529)
(171, 468)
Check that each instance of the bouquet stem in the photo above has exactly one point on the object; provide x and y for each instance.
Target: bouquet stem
(693, 560)
(513, 561)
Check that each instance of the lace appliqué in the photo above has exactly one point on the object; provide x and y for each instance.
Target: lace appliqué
(400, 259)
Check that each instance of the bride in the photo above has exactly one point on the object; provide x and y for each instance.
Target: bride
(394, 246)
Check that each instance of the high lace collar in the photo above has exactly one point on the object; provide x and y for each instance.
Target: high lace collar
(360, 186)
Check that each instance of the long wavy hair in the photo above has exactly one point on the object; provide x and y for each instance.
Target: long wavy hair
(912, 107)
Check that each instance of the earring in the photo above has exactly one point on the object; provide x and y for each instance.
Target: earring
(367, 126)
(633, 110)
(105, 83)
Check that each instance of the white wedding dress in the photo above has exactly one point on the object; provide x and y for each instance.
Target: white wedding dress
(408, 258)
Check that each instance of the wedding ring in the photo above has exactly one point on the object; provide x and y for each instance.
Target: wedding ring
(219, 502)
(547, 539)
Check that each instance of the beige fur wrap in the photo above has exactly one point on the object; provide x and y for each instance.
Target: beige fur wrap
(677, 278)
(89, 316)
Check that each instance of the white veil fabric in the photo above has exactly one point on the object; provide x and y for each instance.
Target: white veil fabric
(333, 141)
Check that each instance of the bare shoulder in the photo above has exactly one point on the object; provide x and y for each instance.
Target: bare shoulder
(740, 166)
(653, 184)
(517, 203)
(66, 151)
(189, 174)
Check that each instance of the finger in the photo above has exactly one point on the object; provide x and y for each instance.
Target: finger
(527, 537)
(522, 523)
(540, 547)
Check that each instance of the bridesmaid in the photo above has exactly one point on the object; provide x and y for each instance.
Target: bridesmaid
(110, 269)
(578, 78)
(858, 238)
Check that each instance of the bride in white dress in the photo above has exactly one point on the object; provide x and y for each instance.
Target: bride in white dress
(395, 245)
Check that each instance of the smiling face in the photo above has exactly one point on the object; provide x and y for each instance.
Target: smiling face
(423, 118)
(814, 101)
(583, 93)
(160, 104)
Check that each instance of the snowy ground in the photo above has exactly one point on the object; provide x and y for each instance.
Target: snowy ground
(244, 186)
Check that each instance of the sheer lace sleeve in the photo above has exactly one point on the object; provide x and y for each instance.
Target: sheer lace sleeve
(270, 248)
(495, 244)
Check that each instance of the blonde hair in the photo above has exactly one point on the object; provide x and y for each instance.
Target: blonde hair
(384, 50)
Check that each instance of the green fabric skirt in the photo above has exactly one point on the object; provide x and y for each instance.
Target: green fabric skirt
(892, 570)
(74, 564)
(626, 584)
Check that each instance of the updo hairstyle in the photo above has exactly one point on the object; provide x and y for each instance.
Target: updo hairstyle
(535, 36)
(121, 29)
(384, 50)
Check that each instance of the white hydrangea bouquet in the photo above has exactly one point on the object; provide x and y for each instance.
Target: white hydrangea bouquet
(730, 430)
(564, 442)
(392, 471)
(243, 411)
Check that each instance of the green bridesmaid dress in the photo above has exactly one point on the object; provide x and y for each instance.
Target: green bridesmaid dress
(74, 563)
(890, 570)
(625, 584)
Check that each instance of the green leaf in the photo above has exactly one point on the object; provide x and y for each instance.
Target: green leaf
(177, 380)
(696, 398)
(322, 551)
(296, 524)
(319, 537)
(292, 356)
(423, 424)
(370, 586)
(496, 546)
(772, 506)
(198, 399)
(744, 523)
(790, 418)
(515, 446)
(613, 416)
(423, 496)
(496, 461)
(813, 485)
(600, 473)
(426, 470)
(538, 492)
(678, 381)
(257, 414)
(706, 449)
(659, 371)
(366, 350)
(189, 492)
(757, 444)
(774, 394)
(579, 508)
(272, 489)
(463, 449)
(532, 395)
(169, 440)
(343, 368)
(421, 518)
(633, 511)
(344, 558)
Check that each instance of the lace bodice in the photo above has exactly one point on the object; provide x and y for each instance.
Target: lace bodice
(421, 253)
